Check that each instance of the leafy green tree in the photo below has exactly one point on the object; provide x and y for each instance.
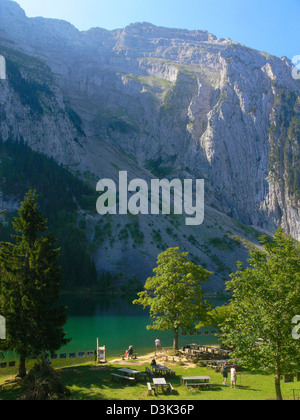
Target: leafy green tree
(174, 295)
(29, 287)
(266, 298)
(217, 317)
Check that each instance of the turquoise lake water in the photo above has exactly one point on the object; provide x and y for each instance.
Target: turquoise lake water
(118, 324)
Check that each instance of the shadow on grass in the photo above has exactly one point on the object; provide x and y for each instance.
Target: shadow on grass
(91, 382)
(256, 373)
(10, 391)
(95, 382)
(247, 388)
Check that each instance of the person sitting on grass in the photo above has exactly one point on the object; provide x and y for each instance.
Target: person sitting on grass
(130, 352)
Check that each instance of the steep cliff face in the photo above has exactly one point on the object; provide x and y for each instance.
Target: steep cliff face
(185, 102)
(163, 102)
(32, 110)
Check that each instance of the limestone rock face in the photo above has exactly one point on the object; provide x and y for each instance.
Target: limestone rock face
(182, 103)
(42, 132)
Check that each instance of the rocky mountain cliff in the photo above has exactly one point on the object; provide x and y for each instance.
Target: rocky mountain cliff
(163, 102)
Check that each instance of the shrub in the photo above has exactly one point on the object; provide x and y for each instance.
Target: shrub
(43, 384)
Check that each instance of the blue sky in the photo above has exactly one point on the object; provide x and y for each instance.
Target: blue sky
(266, 25)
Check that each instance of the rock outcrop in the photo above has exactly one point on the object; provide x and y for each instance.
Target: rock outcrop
(161, 101)
(177, 99)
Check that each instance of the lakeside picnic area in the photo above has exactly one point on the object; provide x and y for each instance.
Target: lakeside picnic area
(91, 381)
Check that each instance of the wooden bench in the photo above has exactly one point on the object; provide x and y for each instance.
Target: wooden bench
(295, 391)
(150, 390)
(172, 390)
(149, 372)
(134, 356)
(121, 378)
(143, 376)
(202, 385)
(215, 367)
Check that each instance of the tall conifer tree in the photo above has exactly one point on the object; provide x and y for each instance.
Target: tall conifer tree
(30, 287)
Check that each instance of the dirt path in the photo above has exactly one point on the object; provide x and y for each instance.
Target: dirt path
(161, 358)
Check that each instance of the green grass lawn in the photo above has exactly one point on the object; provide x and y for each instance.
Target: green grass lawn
(91, 382)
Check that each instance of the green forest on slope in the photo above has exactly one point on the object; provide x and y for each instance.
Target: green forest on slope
(61, 194)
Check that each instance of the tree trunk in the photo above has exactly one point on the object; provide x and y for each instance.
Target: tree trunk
(278, 387)
(175, 341)
(22, 366)
(44, 358)
(278, 372)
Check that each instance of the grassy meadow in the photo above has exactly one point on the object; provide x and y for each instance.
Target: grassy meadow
(89, 381)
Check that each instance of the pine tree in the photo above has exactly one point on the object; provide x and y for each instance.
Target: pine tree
(30, 286)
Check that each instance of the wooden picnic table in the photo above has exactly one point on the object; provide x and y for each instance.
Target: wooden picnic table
(220, 362)
(163, 370)
(129, 372)
(198, 381)
(159, 382)
(198, 348)
(187, 379)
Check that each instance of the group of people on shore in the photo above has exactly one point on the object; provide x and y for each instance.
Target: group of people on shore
(225, 368)
(129, 352)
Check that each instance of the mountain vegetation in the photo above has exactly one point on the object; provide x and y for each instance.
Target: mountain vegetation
(61, 195)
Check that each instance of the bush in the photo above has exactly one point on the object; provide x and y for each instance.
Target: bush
(43, 384)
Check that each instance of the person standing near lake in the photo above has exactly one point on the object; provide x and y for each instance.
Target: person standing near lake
(158, 344)
(225, 373)
(233, 377)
